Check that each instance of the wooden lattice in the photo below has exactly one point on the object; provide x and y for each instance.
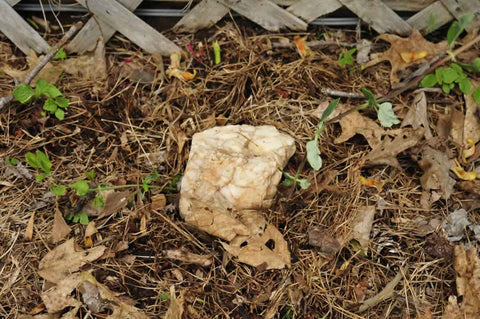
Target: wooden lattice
(116, 15)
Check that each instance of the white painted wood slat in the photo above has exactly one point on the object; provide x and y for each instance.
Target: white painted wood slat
(19, 31)
(435, 11)
(203, 15)
(309, 10)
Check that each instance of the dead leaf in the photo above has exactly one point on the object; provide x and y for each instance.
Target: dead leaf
(413, 46)
(114, 202)
(137, 73)
(302, 47)
(175, 310)
(364, 47)
(91, 66)
(361, 289)
(467, 267)
(362, 226)
(436, 166)
(471, 127)
(159, 201)
(89, 232)
(256, 252)
(370, 182)
(59, 296)
(60, 229)
(417, 116)
(456, 125)
(50, 72)
(174, 68)
(386, 152)
(29, 230)
(320, 238)
(188, 257)
(63, 260)
(385, 294)
(355, 123)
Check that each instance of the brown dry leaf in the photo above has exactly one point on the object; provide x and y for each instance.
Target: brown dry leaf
(41, 316)
(159, 201)
(355, 123)
(175, 310)
(362, 225)
(89, 66)
(50, 72)
(456, 125)
(188, 257)
(114, 202)
(302, 47)
(386, 152)
(436, 178)
(89, 232)
(256, 252)
(417, 116)
(29, 230)
(318, 111)
(361, 289)
(60, 229)
(137, 73)
(59, 296)
(413, 46)
(467, 266)
(471, 127)
(320, 238)
(63, 260)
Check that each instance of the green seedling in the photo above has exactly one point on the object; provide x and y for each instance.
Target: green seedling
(11, 161)
(90, 175)
(80, 217)
(60, 55)
(55, 103)
(147, 181)
(39, 160)
(173, 188)
(346, 57)
(448, 78)
(313, 152)
(293, 180)
(385, 113)
(457, 27)
(216, 53)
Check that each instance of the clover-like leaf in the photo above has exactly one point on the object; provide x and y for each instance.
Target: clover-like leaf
(50, 105)
(476, 95)
(429, 81)
(62, 102)
(81, 187)
(386, 116)
(23, 93)
(60, 114)
(58, 190)
(464, 85)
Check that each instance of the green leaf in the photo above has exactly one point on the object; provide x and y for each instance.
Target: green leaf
(446, 88)
(449, 75)
(83, 218)
(372, 101)
(429, 81)
(476, 95)
(60, 55)
(62, 102)
(439, 74)
(47, 89)
(40, 177)
(11, 161)
(99, 201)
(23, 93)
(60, 114)
(76, 218)
(216, 52)
(328, 111)
(313, 155)
(476, 65)
(90, 175)
(304, 184)
(32, 160)
(465, 85)
(386, 116)
(346, 57)
(50, 105)
(45, 164)
(58, 190)
(81, 187)
(287, 182)
(457, 27)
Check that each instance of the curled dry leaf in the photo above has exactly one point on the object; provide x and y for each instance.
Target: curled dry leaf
(386, 152)
(471, 126)
(51, 72)
(63, 260)
(362, 226)
(404, 52)
(60, 229)
(59, 296)
(188, 257)
(174, 69)
(302, 47)
(320, 238)
(467, 267)
(175, 310)
(114, 202)
(91, 66)
(417, 116)
(29, 230)
(355, 123)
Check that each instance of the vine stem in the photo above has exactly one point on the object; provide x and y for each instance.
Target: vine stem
(31, 75)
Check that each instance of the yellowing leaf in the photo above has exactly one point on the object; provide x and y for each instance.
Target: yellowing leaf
(302, 47)
(462, 174)
(469, 151)
(410, 57)
(370, 182)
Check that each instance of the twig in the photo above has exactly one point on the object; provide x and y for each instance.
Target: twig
(351, 95)
(385, 294)
(313, 44)
(30, 76)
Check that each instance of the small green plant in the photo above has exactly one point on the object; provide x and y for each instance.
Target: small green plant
(55, 103)
(385, 113)
(457, 27)
(60, 55)
(313, 152)
(80, 217)
(292, 180)
(448, 78)
(11, 161)
(147, 181)
(346, 57)
(39, 160)
(216, 53)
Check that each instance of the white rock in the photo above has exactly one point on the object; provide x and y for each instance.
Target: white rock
(231, 170)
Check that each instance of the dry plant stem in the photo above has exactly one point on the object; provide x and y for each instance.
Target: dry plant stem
(313, 44)
(385, 294)
(70, 33)
(414, 82)
(337, 93)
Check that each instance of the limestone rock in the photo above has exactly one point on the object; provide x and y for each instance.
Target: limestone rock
(231, 175)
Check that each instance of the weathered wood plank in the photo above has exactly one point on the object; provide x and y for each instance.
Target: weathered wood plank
(203, 15)
(131, 26)
(380, 17)
(458, 8)
(309, 10)
(267, 14)
(435, 11)
(19, 31)
(13, 2)
(86, 39)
